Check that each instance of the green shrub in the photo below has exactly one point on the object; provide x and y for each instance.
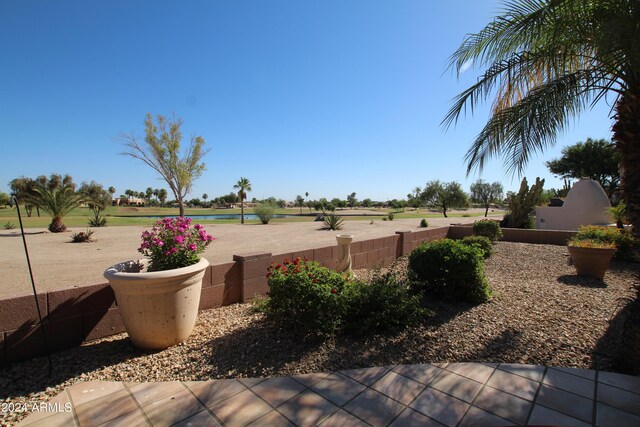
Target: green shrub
(487, 228)
(9, 226)
(265, 211)
(332, 222)
(450, 270)
(82, 237)
(466, 215)
(315, 301)
(508, 222)
(424, 223)
(259, 304)
(381, 305)
(391, 216)
(480, 242)
(622, 239)
(305, 297)
(597, 233)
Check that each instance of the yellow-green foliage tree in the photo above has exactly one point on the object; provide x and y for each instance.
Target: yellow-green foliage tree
(161, 151)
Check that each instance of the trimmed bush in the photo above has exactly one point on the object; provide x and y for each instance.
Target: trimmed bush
(481, 242)
(424, 223)
(315, 301)
(383, 304)
(488, 228)
(265, 212)
(508, 222)
(451, 270)
(305, 297)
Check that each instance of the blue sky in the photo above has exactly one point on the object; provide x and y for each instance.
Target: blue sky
(324, 97)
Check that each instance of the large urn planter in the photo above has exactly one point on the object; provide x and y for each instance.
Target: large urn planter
(159, 308)
(591, 262)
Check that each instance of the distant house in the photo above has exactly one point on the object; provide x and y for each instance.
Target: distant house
(131, 201)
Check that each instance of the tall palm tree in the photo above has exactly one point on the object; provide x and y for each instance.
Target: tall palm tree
(243, 186)
(57, 197)
(546, 62)
(162, 196)
(112, 191)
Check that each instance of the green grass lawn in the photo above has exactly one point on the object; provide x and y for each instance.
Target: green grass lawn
(124, 215)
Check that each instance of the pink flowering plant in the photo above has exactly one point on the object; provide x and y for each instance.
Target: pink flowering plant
(174, 243)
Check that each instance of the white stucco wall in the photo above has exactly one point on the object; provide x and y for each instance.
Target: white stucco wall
(585, 204)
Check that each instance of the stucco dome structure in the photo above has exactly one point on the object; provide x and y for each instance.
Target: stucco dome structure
(586, 204)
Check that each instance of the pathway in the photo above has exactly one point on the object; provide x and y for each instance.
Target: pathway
(455, 394)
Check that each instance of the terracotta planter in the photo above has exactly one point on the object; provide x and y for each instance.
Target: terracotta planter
(591, 262)
(159, 308)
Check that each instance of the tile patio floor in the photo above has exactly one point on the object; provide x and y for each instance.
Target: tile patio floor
(455, 394)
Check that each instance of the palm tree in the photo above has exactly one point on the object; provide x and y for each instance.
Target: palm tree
(162, 196)
(98, 199)
(243, 185)
(547, 61)
(300, 202)
(57, 197)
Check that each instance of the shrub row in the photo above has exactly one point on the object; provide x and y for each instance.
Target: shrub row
(314, 300)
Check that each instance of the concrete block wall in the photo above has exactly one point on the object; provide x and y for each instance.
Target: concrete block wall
(71, 316)
(79, 314)
(544, 237)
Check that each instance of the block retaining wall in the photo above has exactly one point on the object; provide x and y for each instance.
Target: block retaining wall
(546, 237)
(80, 314)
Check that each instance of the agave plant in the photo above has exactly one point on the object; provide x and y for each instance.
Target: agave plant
(332, 222)
(98, 221)
(82, 237)
(57, 197)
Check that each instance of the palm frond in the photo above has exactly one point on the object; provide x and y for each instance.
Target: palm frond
(531, 125)
(547, 61)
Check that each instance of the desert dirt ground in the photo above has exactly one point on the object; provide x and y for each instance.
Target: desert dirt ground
(58, 264)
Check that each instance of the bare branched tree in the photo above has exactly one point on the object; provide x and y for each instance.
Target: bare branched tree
(161, 151)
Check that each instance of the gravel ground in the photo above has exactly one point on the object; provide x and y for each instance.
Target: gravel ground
(541, 313)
